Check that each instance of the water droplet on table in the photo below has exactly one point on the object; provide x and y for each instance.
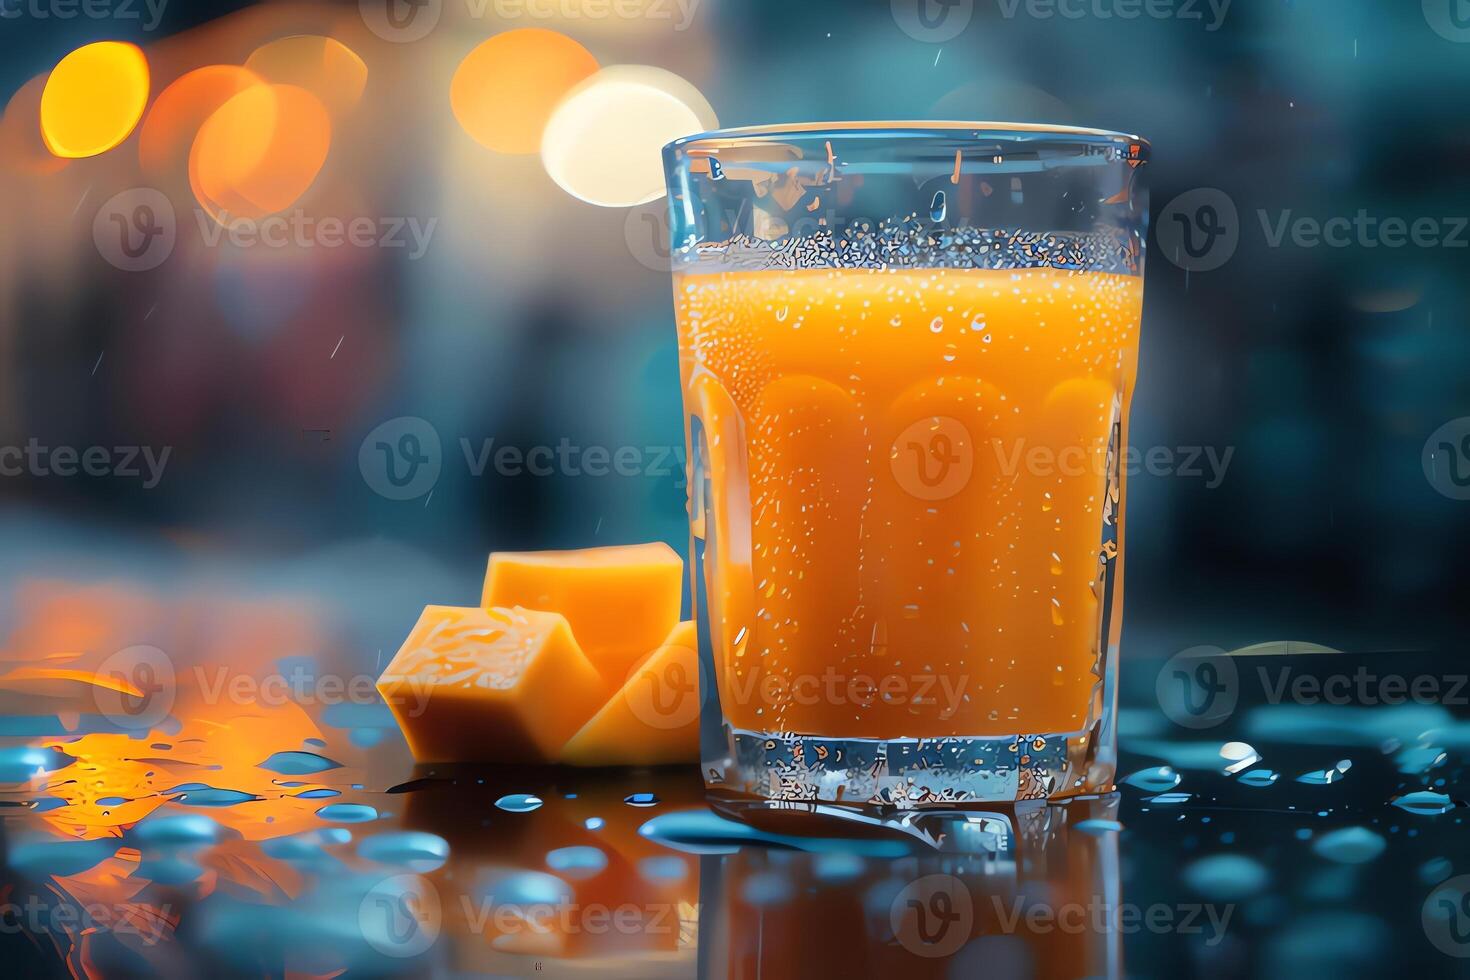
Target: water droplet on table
(576, 862)
(1350, 845)
(348, 812)
(1425, 803)
(1155, 780)
(519, 803)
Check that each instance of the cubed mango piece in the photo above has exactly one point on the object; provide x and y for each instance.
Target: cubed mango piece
(620, 601)
(653, 719)
(485, 685)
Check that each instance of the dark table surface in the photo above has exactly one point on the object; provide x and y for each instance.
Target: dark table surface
(288, 836)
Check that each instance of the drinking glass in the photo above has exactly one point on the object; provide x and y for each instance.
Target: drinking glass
(907, 352)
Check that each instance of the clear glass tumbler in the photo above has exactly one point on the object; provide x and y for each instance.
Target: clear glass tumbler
(907, 352)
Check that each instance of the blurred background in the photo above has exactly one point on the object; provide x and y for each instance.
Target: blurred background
(306, 307)
(187, 409)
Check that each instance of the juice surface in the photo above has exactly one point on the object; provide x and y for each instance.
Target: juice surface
(911, 501)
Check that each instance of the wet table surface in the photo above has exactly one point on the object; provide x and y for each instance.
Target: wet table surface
(266, 836)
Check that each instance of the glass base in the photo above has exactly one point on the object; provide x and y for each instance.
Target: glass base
(905, 772)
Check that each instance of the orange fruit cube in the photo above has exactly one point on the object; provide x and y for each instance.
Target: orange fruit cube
(619, 601)
(482, 685)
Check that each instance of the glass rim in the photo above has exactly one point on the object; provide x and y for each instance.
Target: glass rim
(898, 129)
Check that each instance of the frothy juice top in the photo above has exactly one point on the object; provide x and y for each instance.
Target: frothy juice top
(915, 467)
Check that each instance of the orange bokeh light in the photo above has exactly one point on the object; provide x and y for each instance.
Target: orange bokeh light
(259, 152)
(506, 88)
(93, 98)
(323, 66)
(181, 109)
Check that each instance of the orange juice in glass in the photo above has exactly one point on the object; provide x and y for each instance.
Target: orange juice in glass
(907, 353)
